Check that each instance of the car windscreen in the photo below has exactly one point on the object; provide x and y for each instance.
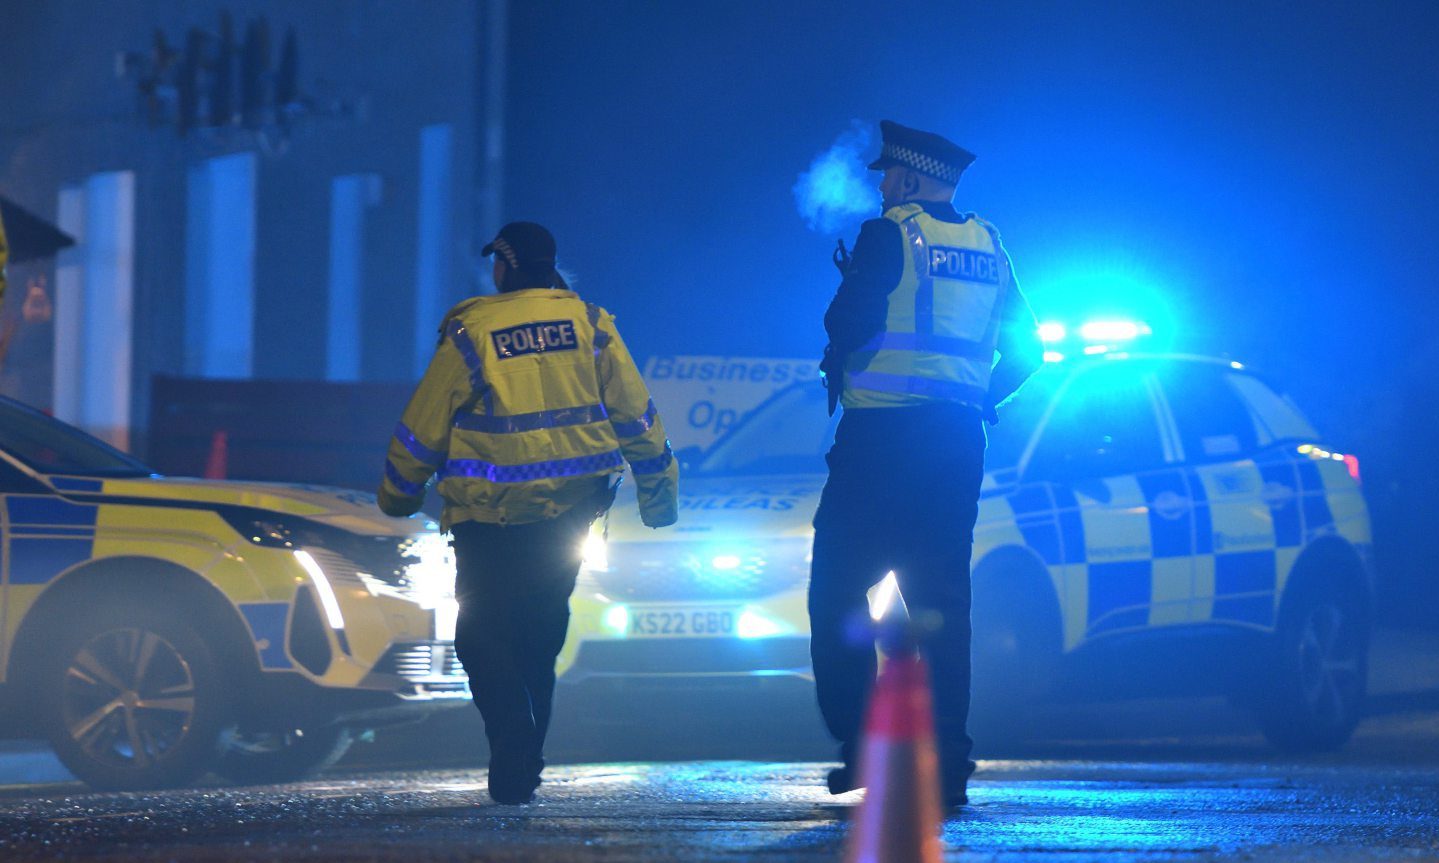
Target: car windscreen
(50, 446)
(789, 434)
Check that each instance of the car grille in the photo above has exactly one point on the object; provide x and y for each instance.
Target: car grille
(649, 571)
(693, 656)
(433, 664)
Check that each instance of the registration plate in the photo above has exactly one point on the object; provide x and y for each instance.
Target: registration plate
(682, 622)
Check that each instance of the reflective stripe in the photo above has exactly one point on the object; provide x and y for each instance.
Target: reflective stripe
(412, 444)
(915, 386)
(557, 418)
(536, 470)
(924, 290)
(948, 346)
(406, 487)
(637, 427)
(602, 338)
(461, 340)
(654, 465)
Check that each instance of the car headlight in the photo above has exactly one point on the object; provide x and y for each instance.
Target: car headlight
(428, 567)
(328, 601)
(595, 553)
(261, 529)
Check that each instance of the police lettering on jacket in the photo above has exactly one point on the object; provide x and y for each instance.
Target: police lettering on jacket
(534, 338)
(969, 265)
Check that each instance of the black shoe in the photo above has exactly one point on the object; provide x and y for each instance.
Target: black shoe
(954, 798)
(511, 795)
(842, 779)
(512, 784)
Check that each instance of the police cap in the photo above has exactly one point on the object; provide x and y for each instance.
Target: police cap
(924, 152)
(524, 246)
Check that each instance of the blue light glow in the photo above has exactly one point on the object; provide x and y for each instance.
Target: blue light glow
(754, 624)
(1114, 331)
(617, 620)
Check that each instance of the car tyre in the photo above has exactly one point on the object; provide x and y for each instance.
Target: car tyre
(132, 699)
(1016, 651)
(282, 756)
(1315, 695)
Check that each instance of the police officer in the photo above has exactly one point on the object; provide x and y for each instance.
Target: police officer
(527, 414)
(924, 304)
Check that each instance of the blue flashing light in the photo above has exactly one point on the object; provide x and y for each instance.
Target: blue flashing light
(1051, 332)
(1114, 331)
(617, 620)
(1053, 357)
(726, 562)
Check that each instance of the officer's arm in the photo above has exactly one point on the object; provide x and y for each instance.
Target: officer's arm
(637, 425)
(422, 437)
(857, 312)
(1021, 352)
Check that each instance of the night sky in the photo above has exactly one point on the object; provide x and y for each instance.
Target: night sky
(1257, 178)
(1265, 175)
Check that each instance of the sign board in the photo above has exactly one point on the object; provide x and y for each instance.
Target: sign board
(701, 397)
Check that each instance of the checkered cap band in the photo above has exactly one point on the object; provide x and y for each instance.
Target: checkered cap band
(922, 162)
(503, 247)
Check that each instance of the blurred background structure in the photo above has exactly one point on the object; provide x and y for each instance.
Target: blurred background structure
(300, 199)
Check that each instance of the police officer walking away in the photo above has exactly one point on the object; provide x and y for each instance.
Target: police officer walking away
(527, 414)
(925, 302)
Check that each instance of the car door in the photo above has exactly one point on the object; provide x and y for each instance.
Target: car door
(1107, 458)
(1241, 511)
(22, 561)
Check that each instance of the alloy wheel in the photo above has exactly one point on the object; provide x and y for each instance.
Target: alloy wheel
(128, 697)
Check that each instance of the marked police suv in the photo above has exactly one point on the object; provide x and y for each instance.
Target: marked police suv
(155, 628)
(1149, 525)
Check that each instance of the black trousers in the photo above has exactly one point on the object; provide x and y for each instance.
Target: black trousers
(513, 583)
(902, 495)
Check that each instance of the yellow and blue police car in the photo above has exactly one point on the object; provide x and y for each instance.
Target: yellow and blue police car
(1160, 524)
(154, 628)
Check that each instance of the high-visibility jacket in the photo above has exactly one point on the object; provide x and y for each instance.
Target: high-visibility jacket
(530, 405)
(942, 320)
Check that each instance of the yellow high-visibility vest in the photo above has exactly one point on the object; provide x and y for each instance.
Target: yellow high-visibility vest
(942, 322)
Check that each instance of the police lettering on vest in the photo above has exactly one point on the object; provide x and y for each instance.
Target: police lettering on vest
(534, 338)
(969, 265)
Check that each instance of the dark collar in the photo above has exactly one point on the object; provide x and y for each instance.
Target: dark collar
(945, 211)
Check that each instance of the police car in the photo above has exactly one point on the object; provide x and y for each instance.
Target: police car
(1148, 525)
(155, 627)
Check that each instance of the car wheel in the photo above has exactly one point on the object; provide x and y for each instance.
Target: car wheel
(133, 699)
(1316, 693)
(1016, 655)
(282, 756)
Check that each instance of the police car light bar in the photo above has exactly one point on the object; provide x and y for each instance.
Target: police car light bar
(1113, 331)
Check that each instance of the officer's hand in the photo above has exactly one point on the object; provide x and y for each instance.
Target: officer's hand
(841, 258)
(396, 505)
(991, 415)
(659, 519)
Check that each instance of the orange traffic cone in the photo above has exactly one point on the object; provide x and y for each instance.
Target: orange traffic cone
(217, 463)
(899, 819)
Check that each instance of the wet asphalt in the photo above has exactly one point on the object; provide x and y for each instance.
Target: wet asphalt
(738, 776)
(1022, 810)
